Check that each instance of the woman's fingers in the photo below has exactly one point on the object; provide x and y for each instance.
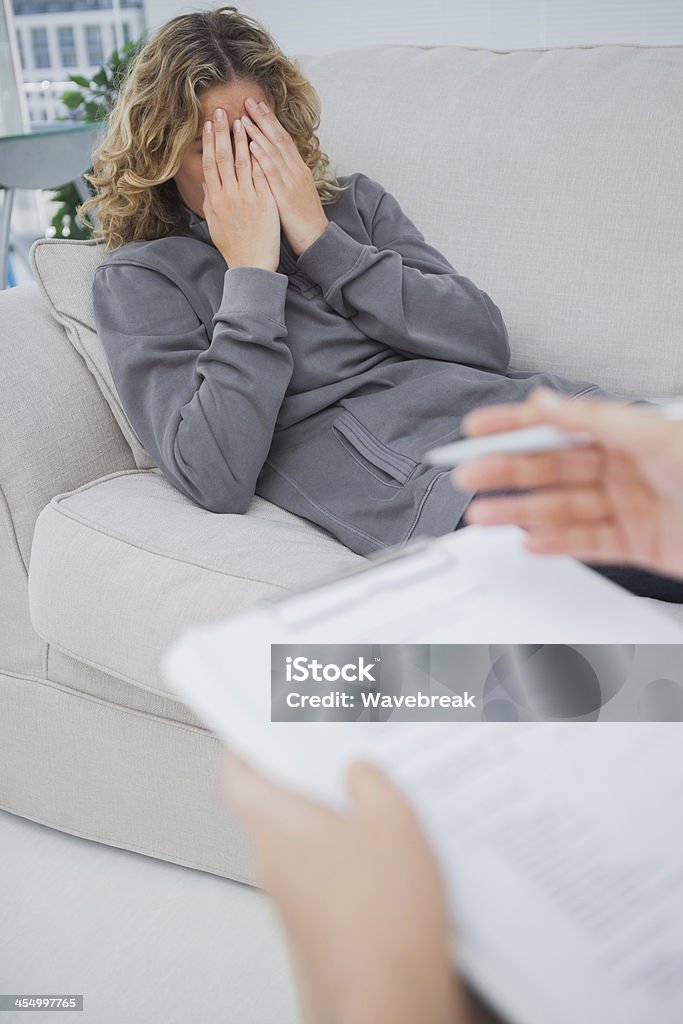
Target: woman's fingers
(250, 171)
(223, 148)
(242, 156)
(538, 469)
(273, 139)
(559, 506)
(265, 152)
(211, 176)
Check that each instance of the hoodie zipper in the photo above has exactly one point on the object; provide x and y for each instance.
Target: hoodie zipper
(287, 256)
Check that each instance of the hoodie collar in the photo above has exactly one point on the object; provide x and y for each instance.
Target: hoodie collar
(197, 225)
(200, 229)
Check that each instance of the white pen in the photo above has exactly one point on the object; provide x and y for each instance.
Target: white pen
(528, 439)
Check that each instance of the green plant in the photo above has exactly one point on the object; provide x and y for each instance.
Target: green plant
(92, 103)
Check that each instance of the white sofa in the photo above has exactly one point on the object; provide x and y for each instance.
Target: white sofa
(552, 178)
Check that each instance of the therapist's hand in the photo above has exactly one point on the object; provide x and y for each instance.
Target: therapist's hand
(360, 897)
(618, 500)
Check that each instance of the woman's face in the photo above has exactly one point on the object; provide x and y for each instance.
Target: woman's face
(231, 98)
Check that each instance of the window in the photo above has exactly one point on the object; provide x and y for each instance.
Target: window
(20, 47)
(47, 6)
(91, 5)
(67, 46)
(126, 32)
(93, 40)
(41, 48)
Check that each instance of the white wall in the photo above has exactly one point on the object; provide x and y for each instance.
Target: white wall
(320, 26)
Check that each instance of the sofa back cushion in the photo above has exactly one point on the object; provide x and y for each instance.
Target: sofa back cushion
(551, 178)
(64, 269)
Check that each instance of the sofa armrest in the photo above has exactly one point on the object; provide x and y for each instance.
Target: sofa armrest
(57, 430)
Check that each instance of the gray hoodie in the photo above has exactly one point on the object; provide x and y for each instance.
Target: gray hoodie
(318, 386)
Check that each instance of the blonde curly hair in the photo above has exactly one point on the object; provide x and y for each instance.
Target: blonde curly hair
(158, 112)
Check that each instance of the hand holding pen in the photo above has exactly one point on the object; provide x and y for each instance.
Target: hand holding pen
(614, 495)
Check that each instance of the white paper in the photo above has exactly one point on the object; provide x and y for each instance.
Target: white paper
(476, 585)
(560, 843)
(562, 849)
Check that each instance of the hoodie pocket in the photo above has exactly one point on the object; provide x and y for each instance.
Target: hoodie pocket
(386, 465)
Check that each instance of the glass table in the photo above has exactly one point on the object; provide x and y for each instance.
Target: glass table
(43, 158)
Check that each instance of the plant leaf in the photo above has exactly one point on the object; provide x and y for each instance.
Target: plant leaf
(72, 99)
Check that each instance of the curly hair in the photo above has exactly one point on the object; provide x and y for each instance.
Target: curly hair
(158, 112)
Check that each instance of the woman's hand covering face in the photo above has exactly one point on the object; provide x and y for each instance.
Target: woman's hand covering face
(291, 181)
(239, 207)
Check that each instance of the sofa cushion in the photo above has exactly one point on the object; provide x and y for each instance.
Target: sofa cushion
(64, 269)
(141, 780)
(549, 177)
(122, 565)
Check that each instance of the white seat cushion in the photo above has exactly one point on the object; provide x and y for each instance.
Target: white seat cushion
(137, 562)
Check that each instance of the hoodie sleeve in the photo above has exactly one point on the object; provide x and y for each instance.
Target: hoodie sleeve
(403, 292)
(204, 408)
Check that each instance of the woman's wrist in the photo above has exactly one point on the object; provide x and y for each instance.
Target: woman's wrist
(305, 241)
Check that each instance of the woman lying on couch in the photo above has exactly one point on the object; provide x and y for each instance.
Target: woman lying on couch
(272, 329)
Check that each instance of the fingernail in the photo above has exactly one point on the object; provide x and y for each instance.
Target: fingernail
(220, 115)
(238, 125)
(264, 108)
(250, 102)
